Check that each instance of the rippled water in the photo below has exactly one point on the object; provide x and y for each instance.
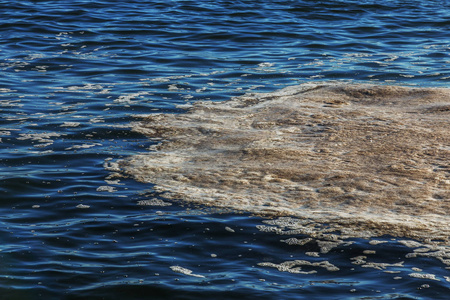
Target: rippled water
(75, 73)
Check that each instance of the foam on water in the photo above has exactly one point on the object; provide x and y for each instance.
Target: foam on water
(185, 271)
(74, 73)
(366, 160)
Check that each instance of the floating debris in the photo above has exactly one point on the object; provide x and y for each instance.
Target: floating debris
(83, 206)
(360, 158)
(106, 188)
(295, 266)
(185, 271)
(424, 276)
(153, 202)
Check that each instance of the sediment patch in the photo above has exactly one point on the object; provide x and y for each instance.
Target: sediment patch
(368, 160)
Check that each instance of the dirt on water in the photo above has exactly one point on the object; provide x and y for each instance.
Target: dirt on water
(366, 160)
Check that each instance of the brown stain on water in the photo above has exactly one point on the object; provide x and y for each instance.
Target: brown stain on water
(367, 159)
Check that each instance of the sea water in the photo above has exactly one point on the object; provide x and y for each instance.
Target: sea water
(271, 197)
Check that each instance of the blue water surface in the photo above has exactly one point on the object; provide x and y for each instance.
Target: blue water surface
(73, 74)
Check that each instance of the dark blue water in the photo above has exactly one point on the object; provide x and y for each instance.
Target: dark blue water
(74, 73)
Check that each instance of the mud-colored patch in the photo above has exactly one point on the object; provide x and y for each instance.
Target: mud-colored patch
(367, 160)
